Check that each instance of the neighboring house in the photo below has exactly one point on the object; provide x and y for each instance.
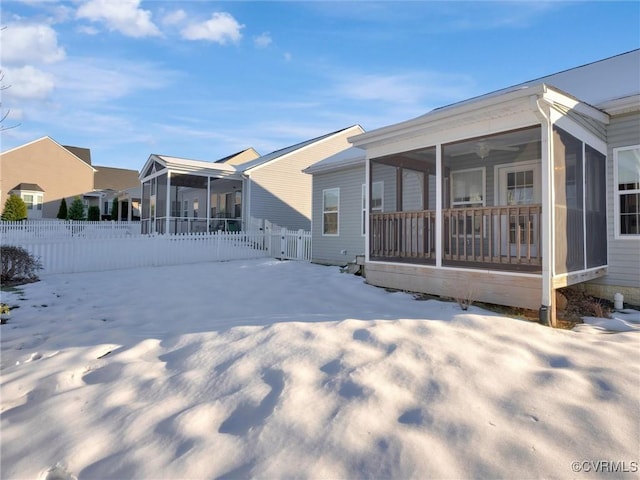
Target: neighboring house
(43, 172)
(57, 172)
(118, 184)
(182, 195)
(502, 198)
(339, 214)
(240, 157)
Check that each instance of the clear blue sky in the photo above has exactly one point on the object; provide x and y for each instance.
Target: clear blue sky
(204, 79)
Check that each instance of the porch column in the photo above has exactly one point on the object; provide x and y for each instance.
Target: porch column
(438, 205)
(167, 222)
(367, 187)
(208, 204)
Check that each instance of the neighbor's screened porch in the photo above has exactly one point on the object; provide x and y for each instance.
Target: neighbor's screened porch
(184, 203)
(491, 204)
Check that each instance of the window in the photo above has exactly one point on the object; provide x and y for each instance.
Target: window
(36, 203)
(195, 208)
(377, 189)
(627, 189)
(238, 204)
(330, 207)
(467, 191)
(185, 208)
(467, 188)
(27, 198)
(520, 187)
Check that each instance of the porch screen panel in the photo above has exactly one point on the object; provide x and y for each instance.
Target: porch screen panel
(569, 212)
(146, 196)
(596, 207)
(386, 175)
(412, 190)
(145, 227)
(161, 198)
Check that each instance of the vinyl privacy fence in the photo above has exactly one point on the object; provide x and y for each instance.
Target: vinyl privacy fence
(32, 229)
(80, 254)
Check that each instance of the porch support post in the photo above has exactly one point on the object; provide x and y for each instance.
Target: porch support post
(548, 300)
(399, 189)
(438, 205)
(246, 204)
(167, 200)
(208, 204)
(367, 230)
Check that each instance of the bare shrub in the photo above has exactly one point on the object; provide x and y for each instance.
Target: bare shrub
(580, 304)
(463, 293)
(18, 265)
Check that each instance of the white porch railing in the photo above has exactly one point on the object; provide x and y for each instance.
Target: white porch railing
(84, 254)
(29, 229)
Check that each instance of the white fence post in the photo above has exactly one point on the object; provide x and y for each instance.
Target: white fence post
(283, 243)
(300, 245)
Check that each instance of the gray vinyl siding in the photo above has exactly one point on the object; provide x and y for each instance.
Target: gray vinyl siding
(281, 193)
(327, 249)
(624, 253)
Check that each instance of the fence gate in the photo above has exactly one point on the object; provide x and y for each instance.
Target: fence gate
(289, 245)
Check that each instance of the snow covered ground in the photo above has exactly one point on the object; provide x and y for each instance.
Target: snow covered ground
(272, 369)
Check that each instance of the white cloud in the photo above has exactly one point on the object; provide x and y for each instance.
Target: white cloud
(287, 57)
(221, 28)
(27, 83)
(174, 18)
(99, 81)
(88, 30)
(408, 88)
(263, 40)
(34, 43)
(124, 16)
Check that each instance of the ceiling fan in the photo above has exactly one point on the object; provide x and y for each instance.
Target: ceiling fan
(482, 148)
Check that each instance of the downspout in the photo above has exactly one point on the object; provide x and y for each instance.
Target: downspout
(548, 305)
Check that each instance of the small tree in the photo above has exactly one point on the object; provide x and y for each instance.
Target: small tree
(114, 210)
(93, 215)
(14, 209)
(76, 210)
(62, 211)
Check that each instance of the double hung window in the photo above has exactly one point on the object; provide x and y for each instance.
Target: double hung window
(627, 190)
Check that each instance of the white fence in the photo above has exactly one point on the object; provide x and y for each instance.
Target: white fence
(85, 254)
(30, 229)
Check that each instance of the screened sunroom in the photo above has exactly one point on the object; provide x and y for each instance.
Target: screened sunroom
(189, 196)
(504, 195)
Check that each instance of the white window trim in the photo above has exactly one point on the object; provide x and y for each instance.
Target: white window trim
(38, 198)
(364, 205)
(484, 186)
(337, 234)
(616, 196)
(536, 165)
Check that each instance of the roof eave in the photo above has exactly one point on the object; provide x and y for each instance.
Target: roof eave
(344, 164)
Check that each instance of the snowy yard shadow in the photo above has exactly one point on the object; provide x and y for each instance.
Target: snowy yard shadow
(247, 416)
